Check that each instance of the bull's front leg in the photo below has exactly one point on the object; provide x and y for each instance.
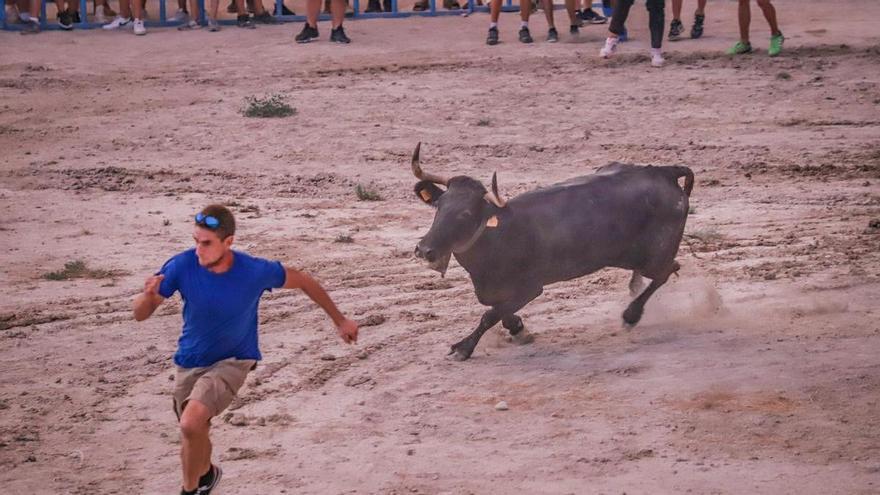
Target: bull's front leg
(465, 347)
(504, 311)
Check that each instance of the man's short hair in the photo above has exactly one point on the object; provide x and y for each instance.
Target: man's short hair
(224, 216)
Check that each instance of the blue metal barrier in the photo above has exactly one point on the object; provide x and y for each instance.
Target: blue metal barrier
(163, 19)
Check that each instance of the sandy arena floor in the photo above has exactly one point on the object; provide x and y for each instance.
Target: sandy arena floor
(755, 371)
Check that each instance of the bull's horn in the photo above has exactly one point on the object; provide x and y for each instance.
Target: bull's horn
(417, 169)
(493, 196)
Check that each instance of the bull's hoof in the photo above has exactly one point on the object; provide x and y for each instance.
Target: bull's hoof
(457, 353)
(523, 337)
(631, 316)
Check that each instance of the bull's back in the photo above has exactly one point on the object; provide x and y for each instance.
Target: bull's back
(622, 216)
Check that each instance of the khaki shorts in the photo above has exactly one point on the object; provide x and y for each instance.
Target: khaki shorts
(214, 386)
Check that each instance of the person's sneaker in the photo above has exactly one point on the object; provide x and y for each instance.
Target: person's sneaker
(65, 20)
(775, 44)
(117, 23)
(656, 58)
(138, 26)
(739, 48)
(589, 15)
(675, 29)
(452, 5)
(552, 35)
(179, 16)
(31, 26)
(421, 6)
(609, 48)
(307, 34)
(286, 11)
(697, 28)
(338, 36)
(189, 26)
(524, 35)
(74, 16)
(244, 21)
(373, 6)
(574, 30)
(492, 38)
(265, 18)
(213, 25)
(210, 480)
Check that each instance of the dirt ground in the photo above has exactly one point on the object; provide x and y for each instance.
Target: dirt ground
(755, 371)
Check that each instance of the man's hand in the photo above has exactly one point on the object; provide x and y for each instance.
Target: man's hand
(151, 286)
(147, 301)
(348, 330)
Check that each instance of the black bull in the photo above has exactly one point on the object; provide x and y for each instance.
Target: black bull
(623, 216)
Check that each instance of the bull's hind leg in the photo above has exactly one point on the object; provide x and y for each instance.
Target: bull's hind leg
(633, 312)
(518, 333)
(636, 284)
(504, 311)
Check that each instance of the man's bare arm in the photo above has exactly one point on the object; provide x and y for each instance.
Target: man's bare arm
(147, 301)
(296, 279)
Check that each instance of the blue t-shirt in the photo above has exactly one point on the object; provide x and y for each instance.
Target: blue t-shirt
(219, 309)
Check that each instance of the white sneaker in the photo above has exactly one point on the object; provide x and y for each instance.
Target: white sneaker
(179, 16)
(609, 48)
(656, 58)
(117, 23)
(139, 28)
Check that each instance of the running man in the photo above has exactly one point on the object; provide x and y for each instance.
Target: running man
(221, 290)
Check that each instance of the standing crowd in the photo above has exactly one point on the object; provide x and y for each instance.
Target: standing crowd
(250, 12)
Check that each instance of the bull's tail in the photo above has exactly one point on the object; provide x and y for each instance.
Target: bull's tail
(677, 172)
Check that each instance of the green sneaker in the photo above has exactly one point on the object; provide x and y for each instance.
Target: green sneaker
(739, 48)
(775, 44)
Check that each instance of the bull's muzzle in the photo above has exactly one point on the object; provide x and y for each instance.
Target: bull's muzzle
(437, 262)
(425, 253)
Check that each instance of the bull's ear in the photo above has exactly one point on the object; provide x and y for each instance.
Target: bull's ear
(428, 192)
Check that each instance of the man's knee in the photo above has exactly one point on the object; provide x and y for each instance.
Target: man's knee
(195, 419)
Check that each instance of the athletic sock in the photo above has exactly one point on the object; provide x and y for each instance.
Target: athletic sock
(493, 25)
(524, 24)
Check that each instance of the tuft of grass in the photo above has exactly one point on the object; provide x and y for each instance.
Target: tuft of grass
(484, 123)
(366, 194)
(270, 106)
(783, 76)
(78, 269)
(344, 239)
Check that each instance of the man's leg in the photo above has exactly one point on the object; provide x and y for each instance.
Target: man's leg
(745, 18)
(337, 12)
(525, 10)
(195, 443)
(676, 10)
(770, 15)
(701, 7)
(313, 9)
(495, 11)
(618, 19)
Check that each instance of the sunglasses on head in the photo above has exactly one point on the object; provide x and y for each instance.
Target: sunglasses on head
(207, 221)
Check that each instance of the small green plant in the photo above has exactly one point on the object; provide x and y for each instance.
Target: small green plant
(78, 269)
(273, 105)
(484, 123)
(366, 194)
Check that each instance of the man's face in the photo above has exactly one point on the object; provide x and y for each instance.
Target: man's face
(210, 249)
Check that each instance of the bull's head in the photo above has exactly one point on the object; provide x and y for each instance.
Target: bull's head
(463, 210)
